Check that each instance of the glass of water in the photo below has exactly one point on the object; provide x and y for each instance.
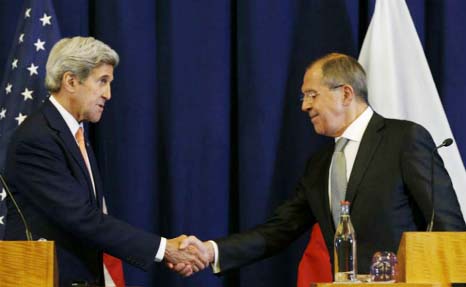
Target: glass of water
(383, 268)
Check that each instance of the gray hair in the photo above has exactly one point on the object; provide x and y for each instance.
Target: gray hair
(340, 69)
(78, 55)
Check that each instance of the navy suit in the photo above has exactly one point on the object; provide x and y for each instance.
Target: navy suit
(389, 191)
(49, 180)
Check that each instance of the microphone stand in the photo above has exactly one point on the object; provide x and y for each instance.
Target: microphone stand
(5, 186)
(445, 143)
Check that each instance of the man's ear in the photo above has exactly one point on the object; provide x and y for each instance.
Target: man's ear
(348, 95)
(69, 81)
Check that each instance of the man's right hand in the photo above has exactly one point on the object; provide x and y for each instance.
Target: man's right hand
(185, 255)
(191, 254)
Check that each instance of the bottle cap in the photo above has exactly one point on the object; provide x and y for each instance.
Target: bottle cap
(344, 202)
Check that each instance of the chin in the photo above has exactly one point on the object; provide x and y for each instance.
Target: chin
(95, 119)
(319, 131)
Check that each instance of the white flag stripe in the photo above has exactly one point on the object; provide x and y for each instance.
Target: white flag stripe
(401, 85)
(108, 278)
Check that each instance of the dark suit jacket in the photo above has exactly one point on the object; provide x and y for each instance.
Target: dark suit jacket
(389, 190)
(49, 179)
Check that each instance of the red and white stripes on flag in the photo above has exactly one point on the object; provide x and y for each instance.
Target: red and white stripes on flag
(113, 267)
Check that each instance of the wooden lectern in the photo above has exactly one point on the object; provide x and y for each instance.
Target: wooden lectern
(28, 263)
(427, 257)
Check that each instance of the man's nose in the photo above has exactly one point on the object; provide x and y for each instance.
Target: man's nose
(306, 105)
(108, 93)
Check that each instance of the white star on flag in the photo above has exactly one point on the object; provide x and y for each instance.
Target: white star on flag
(27, 14)
(45, 20)
(33, 69)
(39, 45)
(1, 220)
(20, 118)
(27, 94)
(14, 64)
(8, 88)
(25, 68)
(3, 114)
(3, 194)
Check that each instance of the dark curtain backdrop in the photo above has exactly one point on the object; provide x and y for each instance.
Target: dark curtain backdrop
(204, 133)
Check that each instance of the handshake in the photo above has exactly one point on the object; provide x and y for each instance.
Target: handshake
(187, 255)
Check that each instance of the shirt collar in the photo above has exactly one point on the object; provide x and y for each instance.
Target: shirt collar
(71, 122)
(356, 129)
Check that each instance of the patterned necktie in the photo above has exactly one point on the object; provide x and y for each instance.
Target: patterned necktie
(338, 179)
(82, 147)
(113, 267)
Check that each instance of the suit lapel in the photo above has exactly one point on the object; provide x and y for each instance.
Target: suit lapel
(367, 148)
(58, 123)
(96, 174)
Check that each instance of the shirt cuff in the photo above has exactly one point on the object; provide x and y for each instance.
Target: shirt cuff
(161, 252)
(216, 264)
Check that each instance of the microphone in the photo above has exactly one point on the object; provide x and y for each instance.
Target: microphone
(26, 228)
(445, 143)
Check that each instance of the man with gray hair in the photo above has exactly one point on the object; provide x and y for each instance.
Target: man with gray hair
(54, 177)
(384, 169)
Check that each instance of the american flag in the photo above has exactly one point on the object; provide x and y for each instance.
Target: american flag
(22, 89)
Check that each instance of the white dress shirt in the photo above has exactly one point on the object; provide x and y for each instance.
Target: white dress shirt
(353, 133)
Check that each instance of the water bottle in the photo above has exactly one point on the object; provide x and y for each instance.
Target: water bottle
(345, 263)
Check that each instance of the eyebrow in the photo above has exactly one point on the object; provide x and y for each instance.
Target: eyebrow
(107, 77)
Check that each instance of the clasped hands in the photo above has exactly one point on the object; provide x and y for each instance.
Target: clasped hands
(187, 255)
